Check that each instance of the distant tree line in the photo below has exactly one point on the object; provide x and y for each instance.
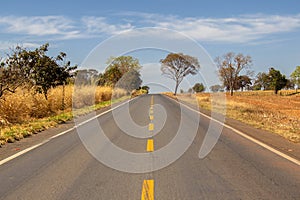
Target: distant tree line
(121, 72)
(231, 65)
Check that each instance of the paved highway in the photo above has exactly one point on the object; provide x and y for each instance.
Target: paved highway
(236, 168)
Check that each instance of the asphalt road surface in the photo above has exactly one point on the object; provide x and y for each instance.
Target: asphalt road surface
(236, 168)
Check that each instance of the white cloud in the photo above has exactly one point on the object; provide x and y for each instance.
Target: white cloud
(39, 26)
(239, 29)
(96, 25)
(235, 30)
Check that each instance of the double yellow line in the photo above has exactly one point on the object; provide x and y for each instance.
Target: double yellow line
(148, 185)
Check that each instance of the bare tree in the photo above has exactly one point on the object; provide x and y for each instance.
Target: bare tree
(176, 66)
(230, 65)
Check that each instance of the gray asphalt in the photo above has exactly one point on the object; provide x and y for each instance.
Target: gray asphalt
(235, 169)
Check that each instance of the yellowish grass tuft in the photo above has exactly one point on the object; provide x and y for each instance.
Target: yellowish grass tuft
(24, 113)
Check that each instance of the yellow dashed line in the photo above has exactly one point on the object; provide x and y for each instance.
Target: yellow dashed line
(151, 112)
(150, 145)
(151, 117)
(151, 127)
(148, 185)
(152, 100)
(148, 190)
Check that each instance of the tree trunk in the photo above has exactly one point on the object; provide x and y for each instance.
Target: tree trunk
(176, 88)
(231, 91)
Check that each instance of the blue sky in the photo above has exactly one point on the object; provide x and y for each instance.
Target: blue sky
(266, 30)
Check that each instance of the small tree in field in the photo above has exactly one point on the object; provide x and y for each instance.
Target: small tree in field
(199, 87)
(277, 80)
(177, 66)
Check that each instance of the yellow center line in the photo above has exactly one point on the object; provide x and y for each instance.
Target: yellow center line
(151, 117)
(148, 190)
(150, 145)
(152, 100)
(151, 127)
(151, 112)
(148, 185)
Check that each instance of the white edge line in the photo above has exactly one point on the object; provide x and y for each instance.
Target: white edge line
(59, 134)
(275, 151)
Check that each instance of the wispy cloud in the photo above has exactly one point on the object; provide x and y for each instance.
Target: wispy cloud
(239, 29)
(39, 25)
(96, 25)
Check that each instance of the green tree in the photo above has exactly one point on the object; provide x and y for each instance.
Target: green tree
(117, 68)
(10, 78)
(199, 87)
(230, 66)
(177, 66)
(124, 63)
(295, 77)
(277, 80)
(262, 81)
(34, 68)
(14, 70)
(243, 82)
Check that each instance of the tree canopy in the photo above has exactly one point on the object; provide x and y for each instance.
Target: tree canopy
(33, 68)
(199, 87)
(295, 77)
(277, 80)
(177, 66)
(230, 66)
(122, 72)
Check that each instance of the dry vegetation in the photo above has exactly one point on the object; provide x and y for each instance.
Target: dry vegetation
(279, 114)
(25, 113)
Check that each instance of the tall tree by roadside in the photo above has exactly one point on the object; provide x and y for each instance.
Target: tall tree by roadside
(117, 68)
(277, 80)
(230, 66)
(11, 77)
(177, 66)
(33, 68)
(295, 77)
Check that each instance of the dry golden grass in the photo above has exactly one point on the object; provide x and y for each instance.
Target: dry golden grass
(24, 113)
(262, 109)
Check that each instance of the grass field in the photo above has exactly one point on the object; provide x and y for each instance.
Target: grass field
(279, 114)
(25, 113)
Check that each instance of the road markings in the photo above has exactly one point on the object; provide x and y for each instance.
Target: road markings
(148, 185)
(152, 100)
(275, 151)
(148, 190)
(151, 127)
(60, 134)
(150, 145)
(151, 111)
